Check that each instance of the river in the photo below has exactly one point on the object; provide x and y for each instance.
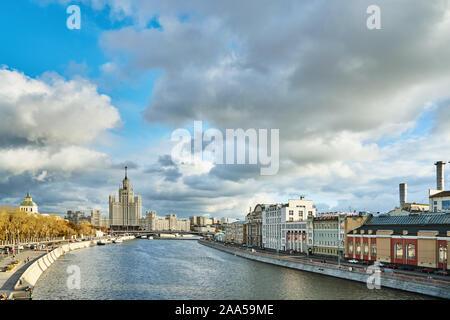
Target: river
(184, 269)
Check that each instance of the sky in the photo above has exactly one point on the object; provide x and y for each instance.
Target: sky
(358, 110)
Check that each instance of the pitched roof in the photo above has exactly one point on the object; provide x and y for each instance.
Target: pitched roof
(441, 194)
(414, 219)
(412, 222)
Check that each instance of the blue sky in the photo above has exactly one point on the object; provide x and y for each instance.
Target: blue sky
(38, 41)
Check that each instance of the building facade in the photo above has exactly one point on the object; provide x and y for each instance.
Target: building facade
(96, 217)
(276, 216)
(77, 216)
(295, 235)
(228, 220)
(235, 232)
(416, 240)
(170, 222)
(126, 213)
(327, 232)
(440, 201)
(254, 226)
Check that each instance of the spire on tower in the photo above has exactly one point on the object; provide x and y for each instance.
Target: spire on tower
(126, 172)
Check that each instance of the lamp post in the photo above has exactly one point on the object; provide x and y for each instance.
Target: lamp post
(18, 241)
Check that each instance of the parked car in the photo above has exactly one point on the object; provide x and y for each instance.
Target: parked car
(353, 261)
(392, 266)
(20, 247)
(408, 268)
(367, 263)
(427, 270)
(441, 272)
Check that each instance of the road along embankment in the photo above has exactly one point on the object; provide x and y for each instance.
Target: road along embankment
(435, 288)
(32, 274)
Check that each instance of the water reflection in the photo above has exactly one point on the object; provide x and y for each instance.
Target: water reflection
(171, 269)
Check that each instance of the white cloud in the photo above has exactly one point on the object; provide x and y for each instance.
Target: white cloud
(52, 111)
(41, 162)
(312, 70)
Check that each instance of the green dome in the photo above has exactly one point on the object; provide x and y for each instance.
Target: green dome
(28, 203)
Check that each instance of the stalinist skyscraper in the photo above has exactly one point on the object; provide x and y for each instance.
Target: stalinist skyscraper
(126, 213)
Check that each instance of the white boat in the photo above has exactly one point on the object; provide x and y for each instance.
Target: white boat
(143, 237)
(150, 238)
(118, 240)
(101, 242)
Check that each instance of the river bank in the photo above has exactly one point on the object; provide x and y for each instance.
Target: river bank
(435, 288)
(29, 276)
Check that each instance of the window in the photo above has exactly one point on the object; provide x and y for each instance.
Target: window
(366, 249)
(411, 251)
(398, 251)
(446, 205)
(442, 254)
(358, 248)
(373, 250)
(350, 248)
(291, 212)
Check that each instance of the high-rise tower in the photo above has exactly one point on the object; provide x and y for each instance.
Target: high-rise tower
(126, 213)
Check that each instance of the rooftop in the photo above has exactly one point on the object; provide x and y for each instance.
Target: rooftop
(412, 222)
(441, 194)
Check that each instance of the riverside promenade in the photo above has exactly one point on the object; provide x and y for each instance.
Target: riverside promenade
(433, 287)
(15, 284)
(8, 279)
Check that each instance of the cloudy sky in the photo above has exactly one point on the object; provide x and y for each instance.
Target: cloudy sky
(358, 111)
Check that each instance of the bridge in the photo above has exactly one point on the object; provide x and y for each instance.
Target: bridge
(139, 233)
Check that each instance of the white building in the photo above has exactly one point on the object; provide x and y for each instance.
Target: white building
(228, 220)
(439, 198)
(278, 221)
(96, 217)
(439, 201)
(170, 222)
(28, 205)
(126, 213)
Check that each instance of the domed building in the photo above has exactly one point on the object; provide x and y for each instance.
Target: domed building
(28, 205)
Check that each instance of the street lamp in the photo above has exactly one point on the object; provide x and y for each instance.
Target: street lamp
(18, 241)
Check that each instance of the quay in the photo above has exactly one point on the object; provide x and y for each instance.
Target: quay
(17, 284)
(434, 287)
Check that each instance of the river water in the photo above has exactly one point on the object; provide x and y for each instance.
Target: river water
(184, 269)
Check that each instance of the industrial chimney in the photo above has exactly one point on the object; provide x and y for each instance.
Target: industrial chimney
(440, 174)
(403, 193)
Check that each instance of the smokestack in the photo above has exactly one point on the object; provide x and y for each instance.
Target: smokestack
(403, 193)
(440, 174)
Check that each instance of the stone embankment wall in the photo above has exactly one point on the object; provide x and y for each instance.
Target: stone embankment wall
(433, 288)
(35, 270)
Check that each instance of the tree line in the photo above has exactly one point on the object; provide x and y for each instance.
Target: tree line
(19, 226)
